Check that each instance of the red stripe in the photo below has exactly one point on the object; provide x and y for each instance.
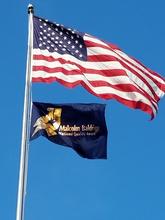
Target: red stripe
(119, 86)
(52, 59)
(112, 47)
(100, 72)
(106, 73)
(160, 85)
(93, 44)
(101, 58)
(144, 80)
(90, 43)
(132, 104)
(94, 83)
(81, 71)
(115, 72)
(123, 88)
(109, 58)
(149, 70)
(56, 69)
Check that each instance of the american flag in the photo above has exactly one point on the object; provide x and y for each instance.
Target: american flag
(73, 58)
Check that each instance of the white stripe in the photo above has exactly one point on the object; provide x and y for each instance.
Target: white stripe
(54, 64)
(140, 66)
(101, 51)
(96, 66)
(55, 55)
(98, 90)
(114, 80)
(107, 65)
(122, 54)
(95, 40)
(96, 50)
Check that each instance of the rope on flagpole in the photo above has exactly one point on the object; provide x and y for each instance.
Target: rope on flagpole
(25, 123)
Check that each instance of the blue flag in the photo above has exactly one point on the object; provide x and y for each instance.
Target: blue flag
(79, 126)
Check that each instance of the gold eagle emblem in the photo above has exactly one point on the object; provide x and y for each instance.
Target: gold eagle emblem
(50, 122)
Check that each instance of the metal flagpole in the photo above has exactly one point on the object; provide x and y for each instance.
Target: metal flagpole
(25, 123)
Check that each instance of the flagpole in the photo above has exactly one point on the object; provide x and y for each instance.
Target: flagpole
(25, 124)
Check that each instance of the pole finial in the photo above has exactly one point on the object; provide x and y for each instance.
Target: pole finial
(30, 9)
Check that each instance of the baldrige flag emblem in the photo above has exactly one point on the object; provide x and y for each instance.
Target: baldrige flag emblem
(50, 122)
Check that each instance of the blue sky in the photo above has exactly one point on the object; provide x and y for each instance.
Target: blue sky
(61, 185)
